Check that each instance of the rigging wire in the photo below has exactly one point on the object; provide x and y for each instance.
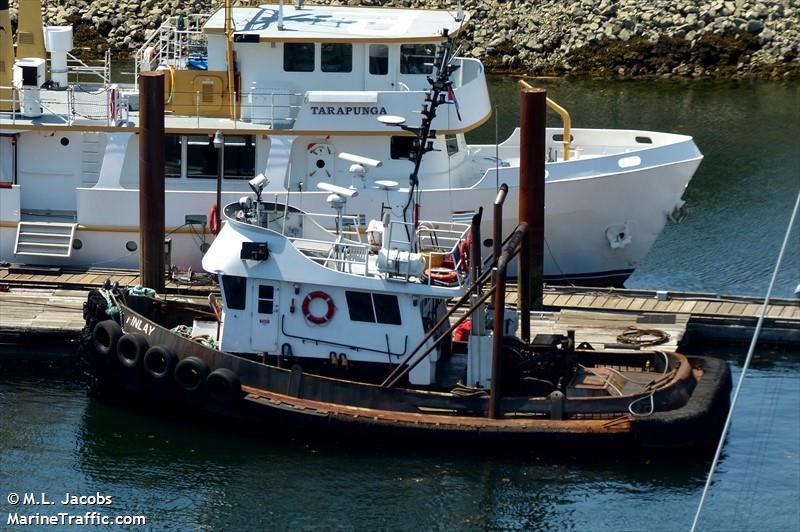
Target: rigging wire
(745, 366)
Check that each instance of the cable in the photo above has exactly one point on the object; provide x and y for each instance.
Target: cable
(745, 366)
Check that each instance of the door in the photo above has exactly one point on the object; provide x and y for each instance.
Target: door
(264, 334)
(380, 72)
(7, 160)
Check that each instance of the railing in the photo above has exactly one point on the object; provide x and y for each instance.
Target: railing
(172, 43)
(73, 103)
(77, 67)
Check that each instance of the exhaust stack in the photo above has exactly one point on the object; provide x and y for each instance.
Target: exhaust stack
(30, 32)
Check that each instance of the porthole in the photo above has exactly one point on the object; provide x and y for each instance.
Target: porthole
(320, 163)
(77, 244)
(131, 246)
(64, 141)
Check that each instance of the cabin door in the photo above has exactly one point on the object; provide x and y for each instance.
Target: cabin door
(380, 73)
(264, 333)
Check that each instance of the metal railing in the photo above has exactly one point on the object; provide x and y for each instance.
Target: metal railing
(68, 105)
(172, 43)
(565, 118)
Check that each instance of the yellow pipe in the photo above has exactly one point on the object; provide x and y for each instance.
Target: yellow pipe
(564, 118)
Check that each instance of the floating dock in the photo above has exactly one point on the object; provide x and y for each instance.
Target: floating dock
(46, 308)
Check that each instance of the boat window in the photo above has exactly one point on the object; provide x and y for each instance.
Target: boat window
(400, 147)
(172, 156)
(239, 161)
(233, 291)
(298, 57)
(359, 304)
(378, 59)
(240, 157)
(201, 157)
(416, 58)
(364, 306)
(266, 296)
(386, 309)
(337, 57)
(452, 144)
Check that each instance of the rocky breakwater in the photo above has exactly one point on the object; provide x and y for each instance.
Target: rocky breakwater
(605, 38)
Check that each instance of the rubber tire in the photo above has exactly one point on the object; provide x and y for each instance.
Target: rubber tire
(190, 374)
(159, 357)
(223, 385)
(105, 336)
(131, 349)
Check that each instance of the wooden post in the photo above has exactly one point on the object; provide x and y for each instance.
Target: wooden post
(533, 109)
(151, 179)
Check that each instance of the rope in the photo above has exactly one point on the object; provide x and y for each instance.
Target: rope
(635, 336)
(745, 366)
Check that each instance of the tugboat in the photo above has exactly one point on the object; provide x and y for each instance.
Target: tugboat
(351, 332)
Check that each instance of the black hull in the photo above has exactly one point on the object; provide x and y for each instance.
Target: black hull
(284, 401)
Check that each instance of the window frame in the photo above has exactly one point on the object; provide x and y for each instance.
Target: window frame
(415, 63)
(348, 56)
(357, 300)
(229, 291)
(294, 45)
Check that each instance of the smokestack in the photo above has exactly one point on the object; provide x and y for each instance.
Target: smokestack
(30, 31)
(6, 56)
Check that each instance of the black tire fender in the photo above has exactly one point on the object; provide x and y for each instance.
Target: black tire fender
(105, 336)
(190, 374)
(159, 362)
(131, 348)
(224, 385)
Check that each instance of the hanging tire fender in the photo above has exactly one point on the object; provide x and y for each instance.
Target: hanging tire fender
(105, 336)
(190, 374)
(159, 362)
(223, 385)
(131, 348)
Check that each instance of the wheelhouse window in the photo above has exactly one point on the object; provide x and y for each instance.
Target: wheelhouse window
(233, 291)
(400, 147)
(452, 144)
(378, 59)
(240, 157)
(336, 57)
(266, 298)
(173, 157)
(372, 308)
(239, 161)
(416, 58)
(298, 57)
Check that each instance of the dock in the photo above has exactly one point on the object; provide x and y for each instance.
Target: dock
(39, 308)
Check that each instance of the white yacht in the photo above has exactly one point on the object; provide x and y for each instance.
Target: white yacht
(291, 91)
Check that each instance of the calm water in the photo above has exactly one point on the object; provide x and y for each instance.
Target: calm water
(741, 197)
(185, 477)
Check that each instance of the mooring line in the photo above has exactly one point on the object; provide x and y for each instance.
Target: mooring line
(746, 365)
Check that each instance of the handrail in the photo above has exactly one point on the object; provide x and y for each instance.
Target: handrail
(565, 118)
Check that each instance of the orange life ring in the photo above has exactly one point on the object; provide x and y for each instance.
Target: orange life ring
(444, 276)
(319, 320)
(212, 219)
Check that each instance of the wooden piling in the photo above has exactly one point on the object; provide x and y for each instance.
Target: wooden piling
(533, 109)
(151, 179)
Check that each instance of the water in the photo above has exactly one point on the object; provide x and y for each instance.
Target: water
(189, 477)
(741, 197)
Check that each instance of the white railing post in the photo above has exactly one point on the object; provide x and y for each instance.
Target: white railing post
(197, 106)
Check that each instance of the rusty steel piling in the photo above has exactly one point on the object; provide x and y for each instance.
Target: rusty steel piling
(151, 180)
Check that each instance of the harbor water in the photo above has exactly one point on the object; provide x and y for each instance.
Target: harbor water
(186, 476)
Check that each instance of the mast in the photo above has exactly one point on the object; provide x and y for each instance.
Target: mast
(6, 57)
(230, 57)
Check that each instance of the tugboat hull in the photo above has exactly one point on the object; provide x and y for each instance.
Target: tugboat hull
(200, 380)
